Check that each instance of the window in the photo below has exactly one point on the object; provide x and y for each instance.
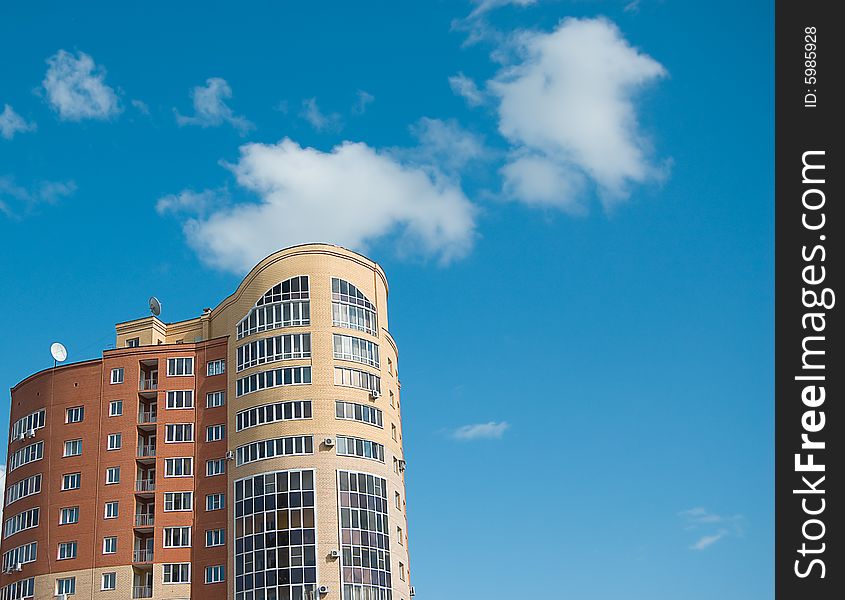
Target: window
(216, 367)
(26, 455)
(177, 367)
(396, 465)
(115, 441)
(66, 585)
(352, 411)
(25, 588)
(75, 414)
(347, 347)
(215, 502)
(115, 408)
(271, 413)
(390, 366)
(215, 574)
(351, 308)
(286, 304)
(215, 433)
(215, 467)
(110, 545)
(73, 447)
(178, 501)
(293, 529)
(70, 481)
(180, 399)
(177, 537)
(350, 446)
(286, 446)
(392, 400)
(397, 500)
(116, 376)
(400, 538)
(22, 554)
(358, 379)
(22, 489)
(67, 550)
(178, 467)
(112, 475)
(179, 432)
(133, 342)
(393, 431)
(215, 537)
(21, 521)
(401, 571)
(111, 510)
(177, 572)
(365, 534)
(272, 379)
(215, 399)
(267, 350)
(68, 516)
(26, 426)
(109, 581)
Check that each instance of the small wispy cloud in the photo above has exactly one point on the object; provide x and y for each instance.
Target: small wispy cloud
(192, 202)
(76, 88)
(211, 109)
(481, 431)
(317, 118)
(17, 202)
(12, 123)
(363, 100)
(467, 89)
(699, 518)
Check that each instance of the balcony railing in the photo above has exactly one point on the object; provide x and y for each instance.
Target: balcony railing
(146, 385)
(142, 591)
(146, 450)
(145, 485)
(144, 520)
(142, 556)
(146, 416)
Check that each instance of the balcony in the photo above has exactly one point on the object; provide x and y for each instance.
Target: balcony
(146, 416)
(142, 591)
(146, 451)
(144, 520)
(142, 556)
(147, 385)
(145, 485)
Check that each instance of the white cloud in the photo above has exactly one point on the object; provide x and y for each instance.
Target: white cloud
(76, 88)
(363, 101)
(484, 6)
(444, 145)
(466, 88)
(352, 196)
(191, 202)
(210, 108)
(700, 518)
(706, 541)
(568, 105)
(318, 120)
(17, 202)
(141, 107)
(481, 431)
(12, 123)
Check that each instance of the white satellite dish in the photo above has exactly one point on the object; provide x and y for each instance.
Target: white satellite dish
(155, 306)
(59, 352)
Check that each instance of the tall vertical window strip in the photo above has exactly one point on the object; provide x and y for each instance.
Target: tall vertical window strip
(365, 536)
(347, 347)
(351, 308)
(21, 521)
(271, 413)
(286, 304)
(22, 554)
(275, 540)
(280, 347)
(26, 455)
(22, 489)
(27, 425)
(356, 378)
(271, 379)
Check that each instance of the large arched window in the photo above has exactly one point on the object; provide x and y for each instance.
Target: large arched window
(286, 304)
(351, 308)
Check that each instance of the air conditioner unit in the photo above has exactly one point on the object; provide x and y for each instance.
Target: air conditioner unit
(375, 394)
(30, 433)
(323, 589)
(329, 442)
(413, 591)
(230, 455)
(18, 567)
(401, 464)
(334, 554)
(61, 596)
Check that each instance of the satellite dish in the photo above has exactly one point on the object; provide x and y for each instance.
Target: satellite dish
(59, 352)
(155, 306)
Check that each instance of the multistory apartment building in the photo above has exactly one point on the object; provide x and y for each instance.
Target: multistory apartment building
(252, 453)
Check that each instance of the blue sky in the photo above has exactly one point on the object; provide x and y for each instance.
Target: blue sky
(573, 202)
